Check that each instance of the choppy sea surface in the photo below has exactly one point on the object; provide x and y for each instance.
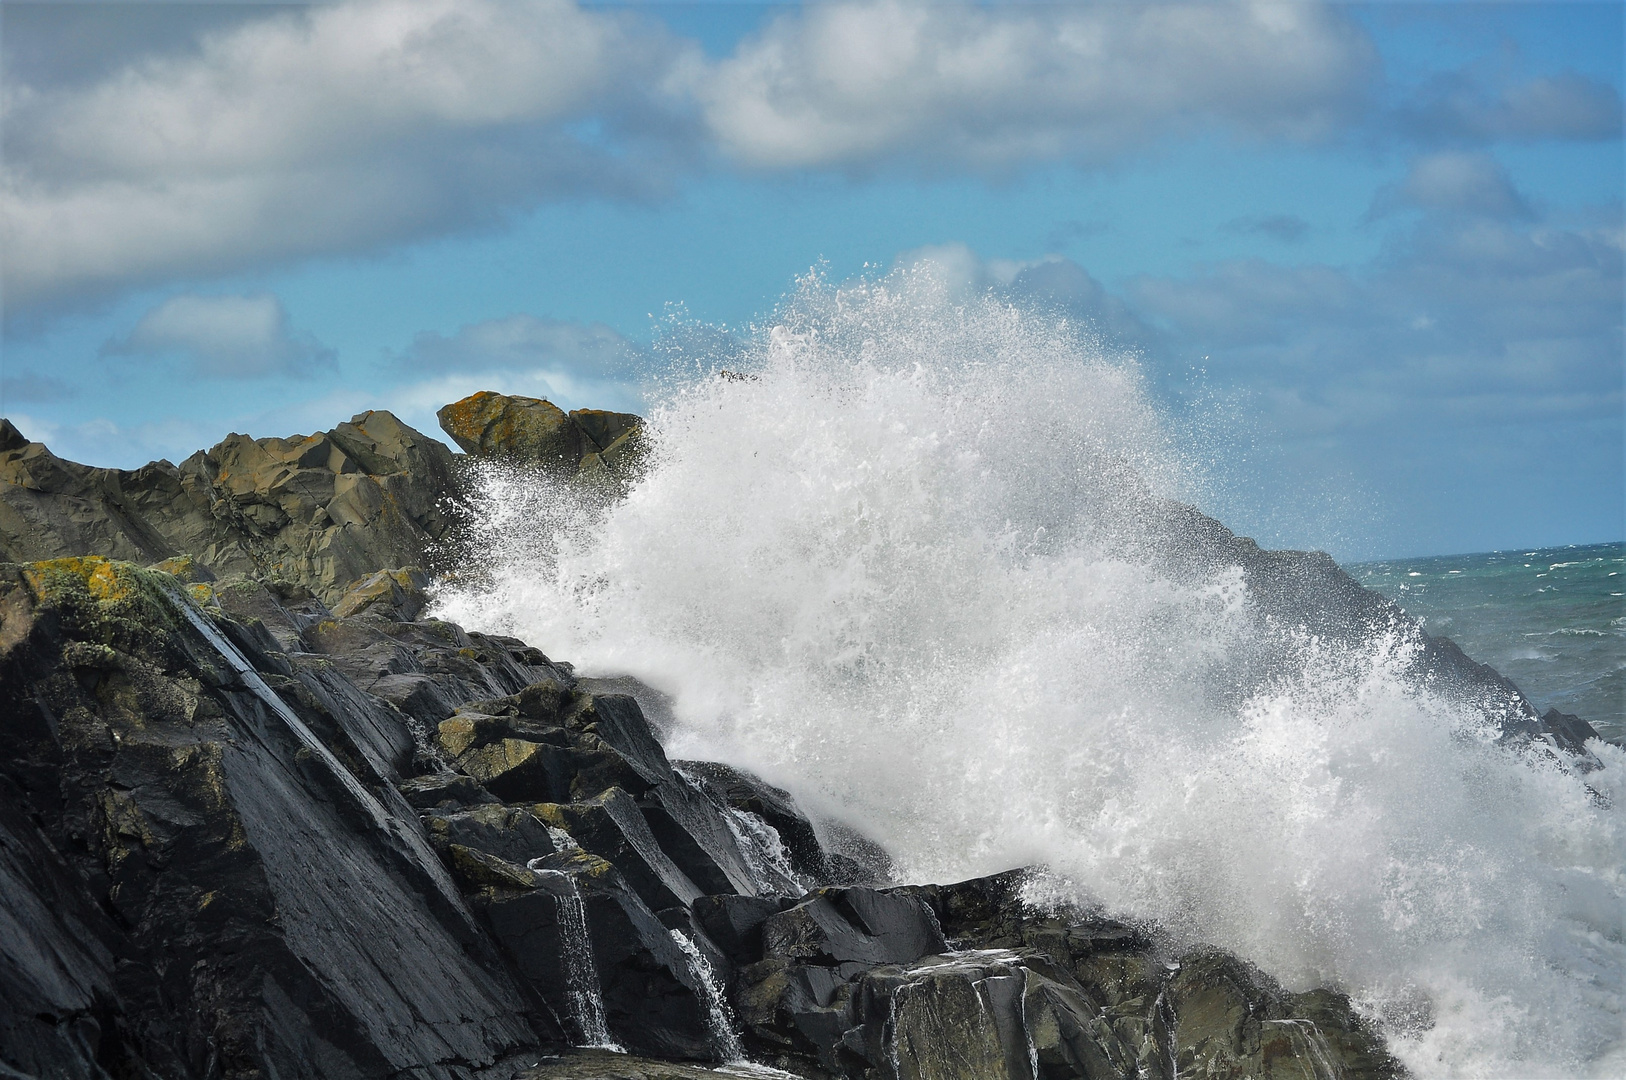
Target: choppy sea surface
(1551, 619)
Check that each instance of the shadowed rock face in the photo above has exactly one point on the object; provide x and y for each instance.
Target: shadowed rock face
(256, 821)
(217, 876)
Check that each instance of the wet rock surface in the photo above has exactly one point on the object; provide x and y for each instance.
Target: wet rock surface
(259, 816)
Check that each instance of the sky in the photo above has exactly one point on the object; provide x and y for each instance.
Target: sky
(1369, 256)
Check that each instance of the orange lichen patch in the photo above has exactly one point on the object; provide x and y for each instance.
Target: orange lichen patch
(496, 425)
(105, 579)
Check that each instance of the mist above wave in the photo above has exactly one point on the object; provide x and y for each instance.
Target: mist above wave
(914, 568)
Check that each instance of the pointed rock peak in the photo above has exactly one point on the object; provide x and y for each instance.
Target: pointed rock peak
(10, 437)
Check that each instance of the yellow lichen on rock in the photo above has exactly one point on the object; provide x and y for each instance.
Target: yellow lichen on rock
(104, 579)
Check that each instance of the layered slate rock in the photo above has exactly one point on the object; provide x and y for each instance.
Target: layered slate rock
(314, 513)
(212, 888)
(590, 444)
(861, 983)
(227, 851)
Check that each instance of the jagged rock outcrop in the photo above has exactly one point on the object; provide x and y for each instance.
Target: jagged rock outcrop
(211, 872)
(243, 834)
(310, 513)
(259, 816)
(588, 444)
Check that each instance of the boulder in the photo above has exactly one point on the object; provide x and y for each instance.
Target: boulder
(773, 806)
(592, 444)
(521, 429)
(648, 991)
(396, 594)
(513, 834)
(850, 928)
(611, 827)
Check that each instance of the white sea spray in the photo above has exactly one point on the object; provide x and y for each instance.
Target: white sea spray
(905, 571)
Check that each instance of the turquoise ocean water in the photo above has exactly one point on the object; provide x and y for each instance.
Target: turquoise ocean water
(1551, 619)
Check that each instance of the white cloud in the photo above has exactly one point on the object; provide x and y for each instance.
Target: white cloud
(322, 129)
(1462, 322)
(852, 84)
(279, 135)
(234, 337)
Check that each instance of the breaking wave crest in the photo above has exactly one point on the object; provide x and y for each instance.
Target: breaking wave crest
(907, 569)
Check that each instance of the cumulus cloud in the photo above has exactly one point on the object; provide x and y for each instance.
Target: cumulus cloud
(522, 342)
(316, 130)
(230, 337)
(1457, 182)
(1456, 107)
(853, 84)
(205, 142)
(1466, 321)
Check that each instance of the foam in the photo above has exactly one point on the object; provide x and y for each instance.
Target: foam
(897, 572)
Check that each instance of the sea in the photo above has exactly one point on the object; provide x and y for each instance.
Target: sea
(1551, 619)
(898, 570)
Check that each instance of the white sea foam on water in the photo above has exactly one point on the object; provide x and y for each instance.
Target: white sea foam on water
(898, 572)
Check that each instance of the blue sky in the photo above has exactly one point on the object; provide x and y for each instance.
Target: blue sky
(1372, 253)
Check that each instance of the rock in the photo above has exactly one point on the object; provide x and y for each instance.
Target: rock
(597, 446)
(1232, 1021)
(1028, 994)
(611, 826)
(259, 818)
(396, 594)
(321, 511)
(846, 928)
(1569, 732)
(522, 429)
(445, 789)
(649, 991)
(606, 1065)
(735, 922)
(947, 1018)
(773, 806)
(513, 834)
(197, 859)
(519, 770)
(712, 844)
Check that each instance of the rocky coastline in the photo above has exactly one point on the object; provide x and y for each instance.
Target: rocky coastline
(261, 817)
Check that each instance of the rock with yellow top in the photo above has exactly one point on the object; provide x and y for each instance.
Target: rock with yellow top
(594, 445)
